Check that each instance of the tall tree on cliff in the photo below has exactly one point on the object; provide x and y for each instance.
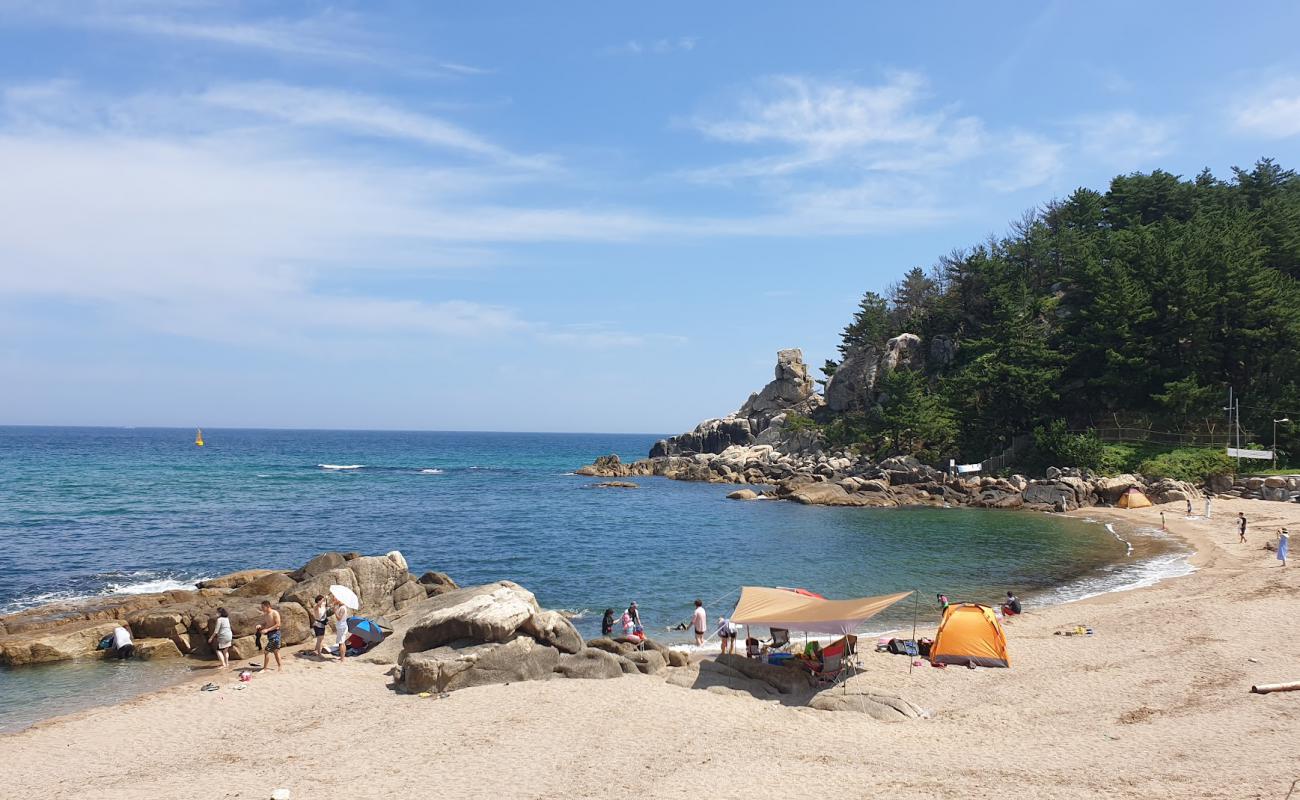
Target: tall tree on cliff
(871, 325)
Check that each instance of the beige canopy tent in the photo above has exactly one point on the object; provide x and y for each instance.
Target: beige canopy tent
(782, 608)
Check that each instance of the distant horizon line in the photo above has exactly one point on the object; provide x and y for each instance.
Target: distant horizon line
(326, 430)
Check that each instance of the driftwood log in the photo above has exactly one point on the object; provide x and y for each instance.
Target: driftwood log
(1265, 688)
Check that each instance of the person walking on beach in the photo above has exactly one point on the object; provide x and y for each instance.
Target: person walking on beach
(320, 617)
(222, 637)
(1241, 526)
(341, 630)
(1283, 543)
(1207, 506)
(607, 624)
(270, 628)
(700, 621)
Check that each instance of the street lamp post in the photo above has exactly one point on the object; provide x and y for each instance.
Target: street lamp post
(1275, 422)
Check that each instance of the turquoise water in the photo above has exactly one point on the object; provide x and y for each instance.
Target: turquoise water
(88, 511)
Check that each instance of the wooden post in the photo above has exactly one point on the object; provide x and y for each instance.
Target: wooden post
(1265, 688)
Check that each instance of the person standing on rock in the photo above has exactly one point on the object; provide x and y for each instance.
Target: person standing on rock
(222, 637)
(270, 628)
(1241, 527)
(320, 615)
(700, 621)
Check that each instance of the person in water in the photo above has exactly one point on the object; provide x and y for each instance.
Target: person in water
(320, 617)
(607, 624)
(123, 647)
(635, 615)
(222, 637)
(943, 603)
(1011, 608)
(700, 620)
(270, 628)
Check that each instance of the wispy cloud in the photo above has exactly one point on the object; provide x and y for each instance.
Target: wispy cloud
(654, 47)
(359, 114)
(1272, 112)
(1125, 139)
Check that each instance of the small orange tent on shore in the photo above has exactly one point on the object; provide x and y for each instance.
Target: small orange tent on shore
(970, 634)
(1133, 498)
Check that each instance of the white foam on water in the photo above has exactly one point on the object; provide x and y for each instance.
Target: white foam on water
(1110, 526)
(148, 587)
(340, 466)
(431, 472)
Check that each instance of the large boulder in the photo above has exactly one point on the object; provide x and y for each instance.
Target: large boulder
(376, 579)
(648, 662)
(852, 387)
(235, 579)
(304, 594)
(156, 649)
(710, 436)
(876, 703)
(790, 387)
(1111, 489)
(437, 583)
(553, 629)
(589, 663)
(783, 679)
(75, 640)
(446, 669)
(321, 563)
(832, 494)
(488, 613)
(272, 586)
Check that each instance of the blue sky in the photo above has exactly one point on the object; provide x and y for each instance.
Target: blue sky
(567, 217)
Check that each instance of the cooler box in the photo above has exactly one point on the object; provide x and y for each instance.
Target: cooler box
(779, 659)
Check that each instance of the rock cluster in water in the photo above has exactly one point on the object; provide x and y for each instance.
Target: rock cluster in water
(763, 444)
(177, 623)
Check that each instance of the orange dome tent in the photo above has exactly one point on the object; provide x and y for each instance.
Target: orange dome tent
(970, 634)
(1133, 498)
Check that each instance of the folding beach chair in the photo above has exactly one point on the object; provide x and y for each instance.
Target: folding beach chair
(780, 639)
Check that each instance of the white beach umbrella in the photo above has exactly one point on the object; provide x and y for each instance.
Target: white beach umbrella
(345, 596)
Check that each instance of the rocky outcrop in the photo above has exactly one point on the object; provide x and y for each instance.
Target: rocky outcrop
(855, 384)
(496, 633)
(761, 418)
(184, 618)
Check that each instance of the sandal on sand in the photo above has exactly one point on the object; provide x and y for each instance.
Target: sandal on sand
(209, 687)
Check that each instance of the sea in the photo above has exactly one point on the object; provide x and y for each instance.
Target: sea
(86, 512)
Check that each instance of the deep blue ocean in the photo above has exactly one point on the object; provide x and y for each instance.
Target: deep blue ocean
(89, 511)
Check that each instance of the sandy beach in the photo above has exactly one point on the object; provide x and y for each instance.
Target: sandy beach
(1154, 704)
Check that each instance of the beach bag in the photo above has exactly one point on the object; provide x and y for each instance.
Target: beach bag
(902, 647)
(105, 643)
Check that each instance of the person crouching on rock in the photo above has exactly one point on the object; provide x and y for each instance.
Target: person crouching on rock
(607, 624)
(1011, 608)
(320, 615)
(270, 628)
(123, 647)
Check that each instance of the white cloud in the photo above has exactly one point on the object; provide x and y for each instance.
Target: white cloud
(638, 47)
(1027, 160)
(355, 113)
(1271, 113)
(1125, 139)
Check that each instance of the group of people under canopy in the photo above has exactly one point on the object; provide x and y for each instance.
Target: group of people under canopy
(970, 634)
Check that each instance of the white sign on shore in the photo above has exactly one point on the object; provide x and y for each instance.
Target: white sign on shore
(963, 468)
(1264, 455)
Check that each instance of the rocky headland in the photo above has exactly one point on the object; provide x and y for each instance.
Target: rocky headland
(767, 443)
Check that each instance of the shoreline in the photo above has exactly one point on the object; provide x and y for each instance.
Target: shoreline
(197, 671)
(1155, 704)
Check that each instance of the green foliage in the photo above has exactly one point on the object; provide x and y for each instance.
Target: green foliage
(871, 324)
(1149, 299)
(1188, 464)
(1057, 446)
(798, 422)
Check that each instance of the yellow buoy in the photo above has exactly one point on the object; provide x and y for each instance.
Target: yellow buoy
(198, 437)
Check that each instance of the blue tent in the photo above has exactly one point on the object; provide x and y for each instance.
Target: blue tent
(364, 633)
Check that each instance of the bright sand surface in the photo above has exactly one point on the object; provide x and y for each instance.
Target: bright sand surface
(1154, 705)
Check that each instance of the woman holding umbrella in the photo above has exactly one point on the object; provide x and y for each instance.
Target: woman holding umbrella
(344, 598)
